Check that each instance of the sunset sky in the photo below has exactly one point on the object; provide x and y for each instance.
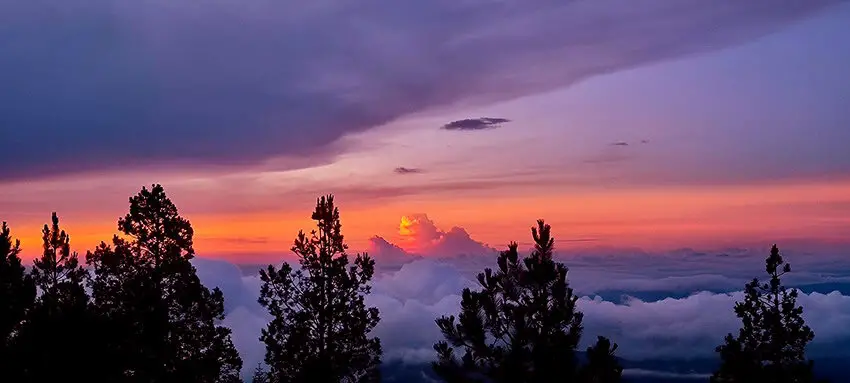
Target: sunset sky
(690, 123)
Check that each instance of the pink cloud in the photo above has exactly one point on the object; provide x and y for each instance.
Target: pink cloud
(388, 255)
(419, 234)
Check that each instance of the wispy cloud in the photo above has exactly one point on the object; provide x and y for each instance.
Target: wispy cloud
(239, 240)
(405, 170)
(475, 123)
(607, 158)
(615, 152)
(154, 83)
(637, 372)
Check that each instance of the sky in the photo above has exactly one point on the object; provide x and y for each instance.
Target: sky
(667, 125)
(668, 144)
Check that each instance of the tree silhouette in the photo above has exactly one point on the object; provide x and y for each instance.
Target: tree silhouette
(17, 289)
(602, 366)
(17, 295)
(54, 341)
(260, 374)
(770, 347)
(117, 293)
(58, 273)
(522, 326)
(161, 318)
(320, 324)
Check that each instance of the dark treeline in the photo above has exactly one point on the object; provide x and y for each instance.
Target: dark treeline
(134, 310)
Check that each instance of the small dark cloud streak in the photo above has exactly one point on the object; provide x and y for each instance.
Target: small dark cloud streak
(119, 85)
(404, 170)
(607, 158)
(475, 123)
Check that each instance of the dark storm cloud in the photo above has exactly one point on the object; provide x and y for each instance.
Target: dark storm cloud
(103, 84)
(475, 123)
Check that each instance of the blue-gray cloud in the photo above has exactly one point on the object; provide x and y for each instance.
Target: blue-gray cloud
(104, 84)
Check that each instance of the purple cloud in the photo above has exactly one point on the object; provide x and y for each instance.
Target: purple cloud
(388, 256)
(106, 85)
(475, 123)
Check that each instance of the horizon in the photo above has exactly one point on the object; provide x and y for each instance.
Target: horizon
(419, 235)
(669, 146)
(723, 136)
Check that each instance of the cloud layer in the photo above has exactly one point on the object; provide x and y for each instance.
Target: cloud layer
(107, 85)
(686, 309)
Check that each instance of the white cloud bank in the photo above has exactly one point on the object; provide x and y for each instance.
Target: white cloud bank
(412, 290)
(412, 297)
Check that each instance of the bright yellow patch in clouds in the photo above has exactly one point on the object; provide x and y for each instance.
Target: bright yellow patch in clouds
(406, 226)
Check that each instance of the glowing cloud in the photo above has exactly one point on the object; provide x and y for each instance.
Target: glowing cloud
(419, 234)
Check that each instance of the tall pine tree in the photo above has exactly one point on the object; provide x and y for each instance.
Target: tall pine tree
(54, 341)
(771, 345)
(320, 325)
(522, 326)
(164, 321)
(117, 293)
(17, 295)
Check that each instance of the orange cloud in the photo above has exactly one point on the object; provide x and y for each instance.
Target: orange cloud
(419, 234)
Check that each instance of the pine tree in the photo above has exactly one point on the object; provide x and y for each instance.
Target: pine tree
(320, 324)
(53, 342)
(58, 273)
(117, 293)
(602, 366)
(17, 289)
(522, 326)
(260, 374)
(770, 347)
(163, 320)
(17, 296)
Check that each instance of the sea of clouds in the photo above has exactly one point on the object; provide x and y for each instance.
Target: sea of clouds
(675, 305)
